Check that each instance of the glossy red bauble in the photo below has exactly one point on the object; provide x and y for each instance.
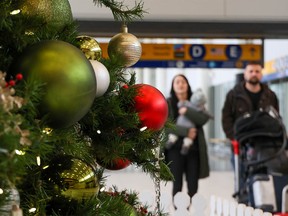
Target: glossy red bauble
(117, 164)
(152, 107)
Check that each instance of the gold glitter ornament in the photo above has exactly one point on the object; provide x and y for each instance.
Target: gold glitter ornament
(90, 47)
(124, 49)
(56, 13)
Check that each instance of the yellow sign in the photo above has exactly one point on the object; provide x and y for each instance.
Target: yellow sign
(204, 52)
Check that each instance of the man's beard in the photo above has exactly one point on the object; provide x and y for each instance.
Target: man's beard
(253, 81)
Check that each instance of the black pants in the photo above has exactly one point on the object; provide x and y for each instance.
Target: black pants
(184, 164)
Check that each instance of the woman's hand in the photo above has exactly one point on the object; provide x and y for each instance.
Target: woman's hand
(182, 110)
(192, 133)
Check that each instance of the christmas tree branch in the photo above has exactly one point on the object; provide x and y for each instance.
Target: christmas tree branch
(122, 12)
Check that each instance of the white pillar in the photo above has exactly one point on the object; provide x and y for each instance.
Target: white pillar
(147, 76)
(139, 75)
(160, 79)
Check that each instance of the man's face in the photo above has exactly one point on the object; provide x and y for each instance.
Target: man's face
(253, 74)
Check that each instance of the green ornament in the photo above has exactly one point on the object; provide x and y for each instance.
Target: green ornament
(56, 13)
(130, 210)
(69, 78)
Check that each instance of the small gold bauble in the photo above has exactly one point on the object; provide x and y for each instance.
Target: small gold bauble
(90, 47)
(124, 49)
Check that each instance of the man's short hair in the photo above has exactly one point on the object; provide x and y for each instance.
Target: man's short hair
(255, 63)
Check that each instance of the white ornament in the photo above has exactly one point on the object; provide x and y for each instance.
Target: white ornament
(102, 77)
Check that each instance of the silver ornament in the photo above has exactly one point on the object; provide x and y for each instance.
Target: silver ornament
(12, 199)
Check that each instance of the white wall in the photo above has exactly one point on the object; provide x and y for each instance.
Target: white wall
(188, 10)
(275, 48)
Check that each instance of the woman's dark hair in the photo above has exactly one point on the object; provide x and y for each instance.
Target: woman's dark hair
(174, 99)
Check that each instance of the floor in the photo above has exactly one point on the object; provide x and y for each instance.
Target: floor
(219, 184)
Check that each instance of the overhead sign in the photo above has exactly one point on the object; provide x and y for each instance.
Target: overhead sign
(196, 55)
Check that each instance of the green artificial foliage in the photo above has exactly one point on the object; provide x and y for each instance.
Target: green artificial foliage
(121, 12)
(109, 131)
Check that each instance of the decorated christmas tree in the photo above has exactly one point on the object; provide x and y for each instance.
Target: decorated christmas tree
(67, 114)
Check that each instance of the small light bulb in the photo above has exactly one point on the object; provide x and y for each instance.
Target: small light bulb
(32, 210)
(29, 33)
(14, 12)
(98, 131)
(19, 152)
(1, 191)
(38, 160)
(143, 128)
(102, 189)
(47, 131)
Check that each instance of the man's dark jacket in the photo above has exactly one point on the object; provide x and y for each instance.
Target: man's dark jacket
(238, 103)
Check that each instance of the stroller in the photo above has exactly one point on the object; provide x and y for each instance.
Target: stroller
(261, 162)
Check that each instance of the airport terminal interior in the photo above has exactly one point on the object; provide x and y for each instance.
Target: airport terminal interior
(201, 52)
(215, 75)
(210, 42)
(215, 82)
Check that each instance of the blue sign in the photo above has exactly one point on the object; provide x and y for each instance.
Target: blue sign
(189, 64)
(197, 51)
(233, 52)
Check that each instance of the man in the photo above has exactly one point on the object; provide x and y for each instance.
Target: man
(247, 96)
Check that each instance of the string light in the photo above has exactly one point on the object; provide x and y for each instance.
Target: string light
(47, 131)
(38, 160)
(103, 189)
(14, 12)
(19, 152)
(32, 210)
(143, 128)
(29, 33)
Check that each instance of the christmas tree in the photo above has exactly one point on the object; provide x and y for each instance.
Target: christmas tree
(67, 114)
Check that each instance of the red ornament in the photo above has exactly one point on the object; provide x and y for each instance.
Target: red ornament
(151, 106)
(125, 86)
(19, 76)
(116, 164)
(12, 83)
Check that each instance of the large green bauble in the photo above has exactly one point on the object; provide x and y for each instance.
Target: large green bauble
(69, 78)
(56, 13)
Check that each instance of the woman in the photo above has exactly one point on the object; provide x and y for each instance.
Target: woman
(194, 164)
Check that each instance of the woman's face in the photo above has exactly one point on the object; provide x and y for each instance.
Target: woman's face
(180, 85)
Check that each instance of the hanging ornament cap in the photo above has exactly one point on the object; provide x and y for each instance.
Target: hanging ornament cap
(124, 28)
(124, 49)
